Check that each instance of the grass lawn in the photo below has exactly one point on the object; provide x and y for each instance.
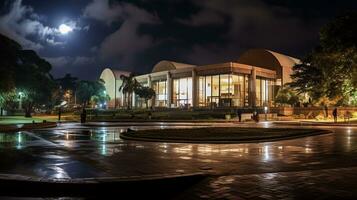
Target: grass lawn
(339, 121)
(229, 134)
(37, 119)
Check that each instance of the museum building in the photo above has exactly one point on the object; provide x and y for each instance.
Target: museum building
(251, 80)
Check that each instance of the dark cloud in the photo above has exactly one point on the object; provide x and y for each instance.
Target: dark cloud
(123, 44)
(203, 18)
(254, 24)
(134, 35)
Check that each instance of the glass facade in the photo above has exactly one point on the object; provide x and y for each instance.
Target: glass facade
(161, 93)
(182, 92)
(223, 90)
(264, 92)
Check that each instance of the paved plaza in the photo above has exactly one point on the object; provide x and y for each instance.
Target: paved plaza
(318, 167)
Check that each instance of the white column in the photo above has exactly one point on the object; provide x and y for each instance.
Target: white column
(169, 89)
(253, 86)
(150, 102)
(194, 88)
(133, 101)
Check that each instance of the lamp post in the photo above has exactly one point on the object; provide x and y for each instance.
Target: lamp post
(266, 111)
(105, 103)
(20, 100)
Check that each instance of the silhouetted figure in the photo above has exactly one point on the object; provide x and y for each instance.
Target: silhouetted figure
(326, 112)
(149, 115)
(334, 113)
(255, 116)
(59, 113)
(83, 116)
(239, 114)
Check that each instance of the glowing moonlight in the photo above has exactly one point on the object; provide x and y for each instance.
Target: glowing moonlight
(64, 29)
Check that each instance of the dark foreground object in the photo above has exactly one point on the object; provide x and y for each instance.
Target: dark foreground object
(220, 134)
(163, 187)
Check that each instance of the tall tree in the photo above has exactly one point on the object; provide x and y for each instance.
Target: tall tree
(67, 87)
(86, 90)
(128, 87)
(68, 82)
(330, 70)
(8, 59)
(24, 71)
(34, 80)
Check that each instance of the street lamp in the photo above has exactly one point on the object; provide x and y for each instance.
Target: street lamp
(20, 101)
(266, 111)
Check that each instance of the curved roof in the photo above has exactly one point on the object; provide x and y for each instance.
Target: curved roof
(166, 65)
(117, 73)
(267, 59)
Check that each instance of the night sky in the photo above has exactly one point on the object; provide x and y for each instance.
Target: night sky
(134, 35)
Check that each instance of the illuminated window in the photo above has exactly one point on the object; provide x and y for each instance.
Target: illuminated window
(161, 93)
(182, 92)
(201, 91)
(264, 92)
(208, 90)
(223, 90)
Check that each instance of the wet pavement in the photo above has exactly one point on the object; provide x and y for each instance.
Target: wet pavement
(271, 170)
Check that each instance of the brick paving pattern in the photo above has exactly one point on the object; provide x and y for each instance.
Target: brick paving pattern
(313, 184)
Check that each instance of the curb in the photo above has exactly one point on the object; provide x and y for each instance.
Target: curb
(134, 186)
(163, 120)
(28, 126)
(314, 124)
(146, 124)
(125, 136)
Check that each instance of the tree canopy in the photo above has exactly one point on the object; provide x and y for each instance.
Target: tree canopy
(331, 69)
(87, 90)
(145, 93)
(128, 87)
(68, 82)
(24, 71)
(9, 51)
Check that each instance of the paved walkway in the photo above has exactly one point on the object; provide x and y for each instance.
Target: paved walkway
(243, 171)
(311, 184)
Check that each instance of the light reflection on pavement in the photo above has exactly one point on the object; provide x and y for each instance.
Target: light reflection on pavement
(72, 151)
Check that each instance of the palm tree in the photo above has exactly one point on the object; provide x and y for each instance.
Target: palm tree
(128, 86)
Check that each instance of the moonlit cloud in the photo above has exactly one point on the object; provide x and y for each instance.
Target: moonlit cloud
(11, 26)
(21, 22)
(101, 10)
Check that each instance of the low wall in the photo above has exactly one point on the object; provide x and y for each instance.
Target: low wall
(312, 112)
(284, 111)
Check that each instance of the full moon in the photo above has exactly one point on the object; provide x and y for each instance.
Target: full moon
(64, 29)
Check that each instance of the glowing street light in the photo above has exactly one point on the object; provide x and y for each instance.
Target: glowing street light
(21, 94)
(266, 111)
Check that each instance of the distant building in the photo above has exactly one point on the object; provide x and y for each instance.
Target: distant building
(252, 80)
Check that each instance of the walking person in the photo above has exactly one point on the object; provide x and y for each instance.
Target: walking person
(255, 116)
(334, 113)
(239, 114)
(59, 113)
(83, 116)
